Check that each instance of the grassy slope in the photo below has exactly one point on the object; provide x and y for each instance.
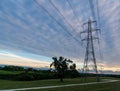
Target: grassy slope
(6, 84)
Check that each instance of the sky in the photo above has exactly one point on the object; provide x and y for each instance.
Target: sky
(33, 31)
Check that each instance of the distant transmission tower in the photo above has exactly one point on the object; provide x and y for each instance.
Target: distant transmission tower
(89, 35)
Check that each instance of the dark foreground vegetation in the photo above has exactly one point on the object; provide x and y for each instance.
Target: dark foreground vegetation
(29, 74)
(63, 68)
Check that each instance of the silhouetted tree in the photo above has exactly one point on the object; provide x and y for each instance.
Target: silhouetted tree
(61, 65)
(73, 66)
(74, 73)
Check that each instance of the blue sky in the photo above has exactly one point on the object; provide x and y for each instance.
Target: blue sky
(28, 31)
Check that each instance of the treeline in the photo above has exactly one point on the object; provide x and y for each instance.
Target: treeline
(99, 75)
(12, 68)
(29, 74)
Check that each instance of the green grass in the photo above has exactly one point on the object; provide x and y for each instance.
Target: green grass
(96, 87)
(7, 84)
(9, 72)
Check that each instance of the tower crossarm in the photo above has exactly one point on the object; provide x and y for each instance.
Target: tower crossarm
(86, 39)
(93, 30)
(89, 22)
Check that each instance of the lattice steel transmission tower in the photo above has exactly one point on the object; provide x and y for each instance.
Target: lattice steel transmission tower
(90, 34)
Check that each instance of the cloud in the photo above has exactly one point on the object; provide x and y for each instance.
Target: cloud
(110, 30)
(12, 59)
(28, 28)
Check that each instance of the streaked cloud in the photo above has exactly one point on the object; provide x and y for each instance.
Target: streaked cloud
(28, 28)
(12, 59)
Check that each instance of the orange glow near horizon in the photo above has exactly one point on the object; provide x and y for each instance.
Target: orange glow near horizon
(11, 59)
(21, 61)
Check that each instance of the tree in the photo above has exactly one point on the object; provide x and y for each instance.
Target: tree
(74, 71)
(28, 70)
(73, 66)
(61, 65)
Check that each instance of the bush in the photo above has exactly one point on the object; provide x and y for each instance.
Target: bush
(71, 74)
(25, 77)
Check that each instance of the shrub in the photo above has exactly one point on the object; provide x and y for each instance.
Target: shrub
(25, 77)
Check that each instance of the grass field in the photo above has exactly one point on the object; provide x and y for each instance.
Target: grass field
(7, 84)
(115, 86)
(9, 72)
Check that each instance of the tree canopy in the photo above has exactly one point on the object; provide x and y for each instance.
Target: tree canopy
(62, 64)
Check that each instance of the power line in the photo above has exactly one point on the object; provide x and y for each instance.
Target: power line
(61, 14)
(74, 12)
(92, 8)
(97, 3)
(99, 25)
(42, 7)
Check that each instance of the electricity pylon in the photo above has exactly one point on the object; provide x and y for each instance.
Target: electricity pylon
(89, 36)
